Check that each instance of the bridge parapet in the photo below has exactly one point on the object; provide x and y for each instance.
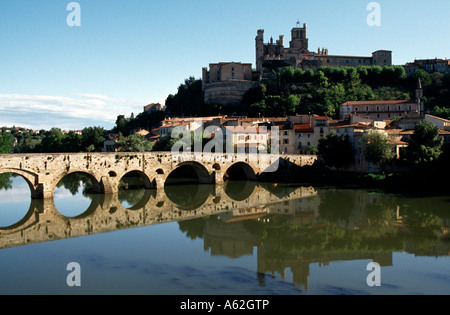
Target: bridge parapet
(43, 171)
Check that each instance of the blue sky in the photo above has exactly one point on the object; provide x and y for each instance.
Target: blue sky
(127, 54)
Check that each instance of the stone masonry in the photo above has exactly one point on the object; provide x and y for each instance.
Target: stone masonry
(43, 171)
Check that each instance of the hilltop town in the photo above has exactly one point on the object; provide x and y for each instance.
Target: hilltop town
(304, 95)
(228, 87)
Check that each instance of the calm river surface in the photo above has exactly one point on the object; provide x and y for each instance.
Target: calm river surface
(240, 238)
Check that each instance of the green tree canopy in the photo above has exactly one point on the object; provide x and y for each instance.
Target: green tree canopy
(377, 148)
(6, 143)
(134, 143)
(52, 141)
(425, 144)
(188, 101)
(92, 139)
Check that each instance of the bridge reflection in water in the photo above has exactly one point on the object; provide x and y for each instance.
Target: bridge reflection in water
(291, 227)
(44, 222)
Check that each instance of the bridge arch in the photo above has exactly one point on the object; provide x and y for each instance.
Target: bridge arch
(97, 186)
(94, 205)
(30, 178)
(147, 183)
(197, 170)
(134, 190)
(239, 191)
(240, 171)
(188, 198)
(28, 219)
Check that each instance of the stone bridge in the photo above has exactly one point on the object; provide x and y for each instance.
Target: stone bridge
(43, 172)
(43, 222)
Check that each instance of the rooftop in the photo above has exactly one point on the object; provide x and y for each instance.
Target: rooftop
(381, 102)
(303, 128)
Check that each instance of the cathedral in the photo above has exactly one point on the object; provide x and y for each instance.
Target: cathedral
(297, 55)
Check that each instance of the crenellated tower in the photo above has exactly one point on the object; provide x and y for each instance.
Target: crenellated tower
(259, 49)
(299, 38)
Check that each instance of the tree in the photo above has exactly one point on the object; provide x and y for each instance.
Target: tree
(425, 144)
(257, 109)
(134, 143)
(312, 148)
(27, 142)
(336, 150)
(5, 181)
(291, 104)
(6, 143)
(71, 142)
(188, 100)
(92, 139)
(377, 148)
(51, 141)
(122, 125)
(442, 112)
(165, 143)
(254, 95)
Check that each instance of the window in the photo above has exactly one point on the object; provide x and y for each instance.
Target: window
(285, 141)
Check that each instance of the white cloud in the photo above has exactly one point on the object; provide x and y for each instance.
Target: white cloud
(75, 111)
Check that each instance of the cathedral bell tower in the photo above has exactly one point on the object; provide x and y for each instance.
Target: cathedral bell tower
(299, 37)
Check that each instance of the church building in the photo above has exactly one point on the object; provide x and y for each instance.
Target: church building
(298, 55)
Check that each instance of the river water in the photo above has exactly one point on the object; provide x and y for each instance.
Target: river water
(241, 238)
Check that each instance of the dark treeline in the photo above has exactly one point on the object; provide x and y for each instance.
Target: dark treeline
(91, 139)
(55, 140)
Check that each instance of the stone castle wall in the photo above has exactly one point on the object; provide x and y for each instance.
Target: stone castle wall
(227, 92)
